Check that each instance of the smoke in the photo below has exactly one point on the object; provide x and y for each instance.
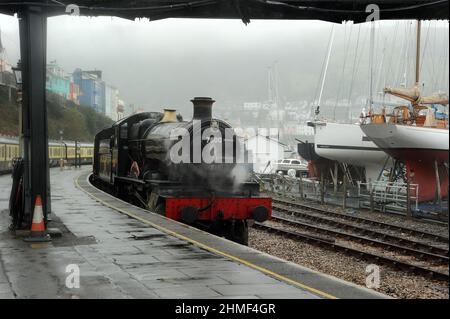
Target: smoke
(240, 174)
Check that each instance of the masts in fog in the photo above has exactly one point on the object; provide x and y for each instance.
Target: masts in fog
(418, 51)
(371, 61)
(272, 88)
(324, 71)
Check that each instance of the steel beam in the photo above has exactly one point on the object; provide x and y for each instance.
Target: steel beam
(33, 44)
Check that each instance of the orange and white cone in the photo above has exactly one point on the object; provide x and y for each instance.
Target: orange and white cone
(38, 232)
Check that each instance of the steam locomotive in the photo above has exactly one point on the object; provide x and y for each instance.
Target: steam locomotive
(194, 171)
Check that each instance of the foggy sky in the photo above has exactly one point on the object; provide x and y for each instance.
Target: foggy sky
(166, 63)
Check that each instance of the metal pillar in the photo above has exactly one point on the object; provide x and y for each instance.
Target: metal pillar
(33, 43)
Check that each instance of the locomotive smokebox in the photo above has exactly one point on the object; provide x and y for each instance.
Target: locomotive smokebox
(202, 108)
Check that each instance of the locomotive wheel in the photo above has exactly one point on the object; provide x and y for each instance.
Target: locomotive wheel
(238, 232)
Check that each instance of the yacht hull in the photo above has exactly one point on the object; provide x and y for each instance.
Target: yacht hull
(346, 143)
(420, 148)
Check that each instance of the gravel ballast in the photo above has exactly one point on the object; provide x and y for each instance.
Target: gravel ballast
(395, 283)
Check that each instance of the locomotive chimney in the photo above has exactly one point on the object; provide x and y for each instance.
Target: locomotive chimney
(202, 108)
(169, 116)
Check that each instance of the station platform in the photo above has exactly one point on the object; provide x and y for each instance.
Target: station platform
(123, 251)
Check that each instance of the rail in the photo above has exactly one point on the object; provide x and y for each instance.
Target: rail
(330, 244)
(360, 220)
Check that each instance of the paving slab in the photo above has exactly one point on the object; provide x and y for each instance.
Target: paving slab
(120, 257)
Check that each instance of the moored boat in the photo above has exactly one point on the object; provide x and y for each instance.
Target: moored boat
(346, 143)
(421, 148)
(416, 134)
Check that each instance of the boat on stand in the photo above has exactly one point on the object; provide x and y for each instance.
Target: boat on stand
(416, 134)
(346, 143)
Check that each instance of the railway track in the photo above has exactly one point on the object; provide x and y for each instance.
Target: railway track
(329, 243)
(419, 254)
(362, 231)
(360, 220)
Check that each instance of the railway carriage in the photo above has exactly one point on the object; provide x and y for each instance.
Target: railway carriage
(9, 149)
(66, 150)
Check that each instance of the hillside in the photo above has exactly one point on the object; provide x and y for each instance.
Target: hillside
(79, 123)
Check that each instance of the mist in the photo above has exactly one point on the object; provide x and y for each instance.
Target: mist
(166, 63)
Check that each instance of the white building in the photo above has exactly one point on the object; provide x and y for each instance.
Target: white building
(265, 151)
(111, 101)
(119, 114)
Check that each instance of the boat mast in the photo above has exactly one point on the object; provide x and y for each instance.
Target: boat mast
(418, 52)
(330, 46)
(371, 58)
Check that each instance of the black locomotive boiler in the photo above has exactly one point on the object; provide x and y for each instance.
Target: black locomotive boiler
(193, 171)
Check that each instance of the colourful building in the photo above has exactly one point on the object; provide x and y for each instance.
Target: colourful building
(57, 80)
(74, 93)
(92, 89)
(84, 88)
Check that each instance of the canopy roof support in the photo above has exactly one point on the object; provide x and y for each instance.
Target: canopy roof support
(33, 43)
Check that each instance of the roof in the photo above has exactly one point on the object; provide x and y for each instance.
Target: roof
(8, 139)
(334, 11)
(15, 140)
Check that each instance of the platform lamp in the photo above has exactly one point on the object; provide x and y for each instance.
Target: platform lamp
(17, 71)
(18, 75)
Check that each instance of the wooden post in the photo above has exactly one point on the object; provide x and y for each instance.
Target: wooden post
(448, 196)
(335, 178)
(438, 187)
(408, 197)
(322, 188)
(371, 196)
(344, 200)
(300, 185)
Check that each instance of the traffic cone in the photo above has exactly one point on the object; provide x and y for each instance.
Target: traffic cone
(38, 233)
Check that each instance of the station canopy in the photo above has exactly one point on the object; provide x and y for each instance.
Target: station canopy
(333, 11)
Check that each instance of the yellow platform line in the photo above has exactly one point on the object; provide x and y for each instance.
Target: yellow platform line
(206, 247)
